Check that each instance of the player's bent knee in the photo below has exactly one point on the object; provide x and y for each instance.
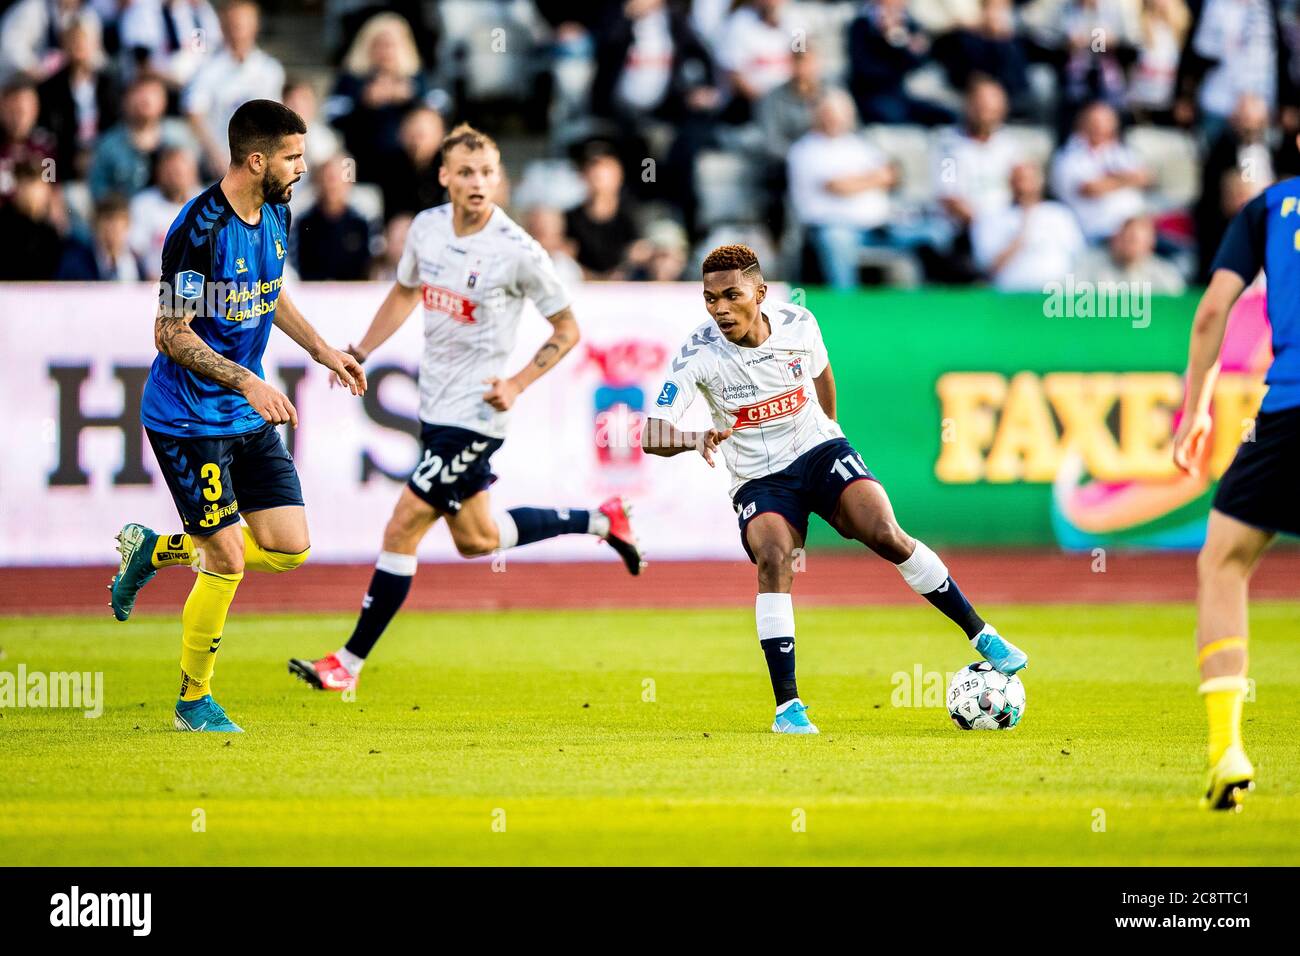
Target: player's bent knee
(474, 546)
(279, 561)
(223, 552)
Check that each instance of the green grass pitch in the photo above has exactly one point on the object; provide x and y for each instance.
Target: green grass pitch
(641, 737)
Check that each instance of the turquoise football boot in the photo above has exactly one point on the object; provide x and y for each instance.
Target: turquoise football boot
(792, 718)
(135, 543)
(998, 651)
(204, 714)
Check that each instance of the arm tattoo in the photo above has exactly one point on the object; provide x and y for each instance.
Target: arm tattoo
(550, 352)
(182, 345)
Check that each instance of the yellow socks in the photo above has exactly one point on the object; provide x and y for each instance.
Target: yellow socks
(202, 623)
(1223, 699)
(171, 550)
(257, 558)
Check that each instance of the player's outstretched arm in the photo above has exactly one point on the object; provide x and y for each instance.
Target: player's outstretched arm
(501, 393)
(664, 439)
(1202, 366)
(295, 325)
(392, 314)
(175, 339)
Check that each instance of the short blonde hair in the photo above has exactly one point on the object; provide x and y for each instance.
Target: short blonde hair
(469, 137)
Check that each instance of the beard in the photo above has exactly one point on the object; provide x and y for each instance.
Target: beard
(276, 191)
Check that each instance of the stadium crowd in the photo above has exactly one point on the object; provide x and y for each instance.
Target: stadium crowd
(893, 141)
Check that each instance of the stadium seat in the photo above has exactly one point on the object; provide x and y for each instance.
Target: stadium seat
(1033, 143)
(474, 35)
(724, 186)
(828, 28)
(909, 147)
(1174, 158)
(368, 200)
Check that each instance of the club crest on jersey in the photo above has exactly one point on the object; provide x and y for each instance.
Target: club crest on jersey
(760, 413)
(279, 250)
(796, 368)
(457, 307)
(472, 280)
(667, 395)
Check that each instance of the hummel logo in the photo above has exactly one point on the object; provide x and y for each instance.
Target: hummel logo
(943, 588)
(786, 648)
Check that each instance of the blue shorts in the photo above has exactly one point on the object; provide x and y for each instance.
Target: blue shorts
(215, 479)
(811, 484)
(454, 466)
(1259, 486)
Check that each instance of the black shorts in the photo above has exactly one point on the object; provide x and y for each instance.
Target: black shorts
(455, 465)
(1259, 486)
(214, 480)
(811, 484)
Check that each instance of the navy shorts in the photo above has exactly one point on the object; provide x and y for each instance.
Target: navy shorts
(214, 480)
(811, 484)
(1259, 486)
(455, 465)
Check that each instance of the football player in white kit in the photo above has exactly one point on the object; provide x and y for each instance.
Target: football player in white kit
(753, 364)
(472, 267)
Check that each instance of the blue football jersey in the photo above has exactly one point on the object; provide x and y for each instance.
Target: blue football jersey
(1266, 235)
(227, 274)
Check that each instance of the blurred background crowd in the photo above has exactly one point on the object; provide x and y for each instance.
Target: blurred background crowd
(893, 141)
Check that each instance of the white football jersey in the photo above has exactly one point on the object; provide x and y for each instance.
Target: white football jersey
(765, 394)
(473, 291)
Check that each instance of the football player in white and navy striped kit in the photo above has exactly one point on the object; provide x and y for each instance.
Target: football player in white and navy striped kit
(765, 375)
(471, 267)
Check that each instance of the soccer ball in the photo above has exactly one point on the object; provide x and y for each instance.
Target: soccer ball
(981, 698)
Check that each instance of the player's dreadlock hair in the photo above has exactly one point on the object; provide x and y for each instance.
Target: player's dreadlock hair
(467, 136)
(736, 256)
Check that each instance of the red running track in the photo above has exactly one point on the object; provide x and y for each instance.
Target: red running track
(830, 578)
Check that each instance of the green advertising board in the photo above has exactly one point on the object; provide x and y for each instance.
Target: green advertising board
(1014, 420)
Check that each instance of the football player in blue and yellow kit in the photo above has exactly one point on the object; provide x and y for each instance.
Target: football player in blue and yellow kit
(1256, 499)
(208, 411)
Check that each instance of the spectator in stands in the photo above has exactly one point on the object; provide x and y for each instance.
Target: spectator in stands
(383, 267)
(333, 239)
(30, 32)
(322, 143)
(665, 259)
(1234, 47)
(650, 65)
(546, 224)
(239, 71)
(973, 164)
(1163, 31)
(29, 242)
(382, 80)
(605, 228)
(169, 37)
(1243, 147)
(839, 190)
(1097, 176)
(108, 256)
(154, 209)
(22, 142)
(886, 44)
(786, 113)
(1089, 42)
(124, 156)
(1130, 257)
(987, 47)
(756, 52)
(410, 182)
(80, 101)
(1030, 243)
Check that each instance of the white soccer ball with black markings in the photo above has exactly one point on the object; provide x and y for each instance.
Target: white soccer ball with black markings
(982, 698)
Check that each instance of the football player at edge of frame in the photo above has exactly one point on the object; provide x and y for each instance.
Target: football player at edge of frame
(472, 267)
(789, 459)
(209, 413)
(1256, 498)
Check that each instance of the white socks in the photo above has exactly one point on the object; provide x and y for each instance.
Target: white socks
(391, 562)
(350, 661)
(597, 523)
(774, 614)
(923, 571)
(507, 530)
